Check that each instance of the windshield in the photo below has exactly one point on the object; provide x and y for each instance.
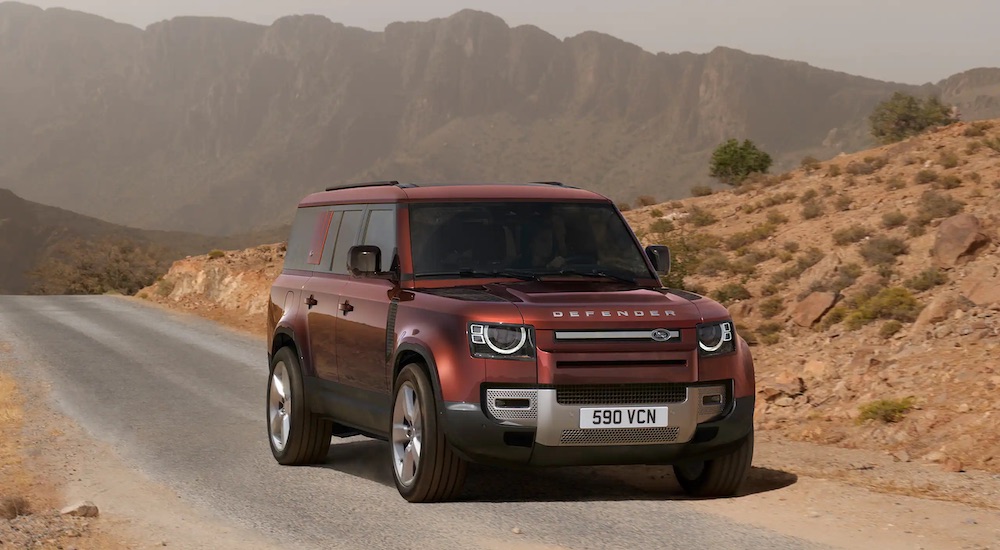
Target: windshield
(523, 239)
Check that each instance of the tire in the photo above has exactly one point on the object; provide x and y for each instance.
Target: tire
(296, 436)
(437, 473)
(718, 477)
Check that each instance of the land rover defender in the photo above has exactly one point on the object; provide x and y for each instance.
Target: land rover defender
(507, 324)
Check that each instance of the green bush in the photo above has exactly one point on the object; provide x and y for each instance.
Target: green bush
(661, 227)
(769, 332)
(776, 218)
(656, 213)
(732, 162)
(903, 115)
(889, 303)
(927, 279)
(850, 235)
(216, 254)
(886, 410)
(745, 238)
(881, 250)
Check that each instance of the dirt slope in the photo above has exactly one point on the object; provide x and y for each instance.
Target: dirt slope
(805, 291)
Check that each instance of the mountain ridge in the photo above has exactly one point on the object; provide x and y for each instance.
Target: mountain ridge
(219, 126)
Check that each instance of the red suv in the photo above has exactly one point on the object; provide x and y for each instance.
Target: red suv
(509, 324)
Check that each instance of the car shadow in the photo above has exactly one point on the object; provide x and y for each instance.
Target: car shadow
(366, 458)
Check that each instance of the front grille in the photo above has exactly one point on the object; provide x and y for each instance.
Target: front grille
(620, 436)
(624, 394)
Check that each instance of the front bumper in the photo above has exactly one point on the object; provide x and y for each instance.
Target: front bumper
(550, 434)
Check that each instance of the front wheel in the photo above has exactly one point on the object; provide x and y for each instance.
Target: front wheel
(296, 435)
(424, 466)
(718, 477)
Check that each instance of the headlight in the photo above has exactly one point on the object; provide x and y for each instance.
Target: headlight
(497, 341)
(716, 338)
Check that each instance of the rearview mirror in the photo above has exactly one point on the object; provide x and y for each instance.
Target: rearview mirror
(659, 255)
(364, 260)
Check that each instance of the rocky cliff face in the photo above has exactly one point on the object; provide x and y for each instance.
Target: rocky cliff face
(214, 125)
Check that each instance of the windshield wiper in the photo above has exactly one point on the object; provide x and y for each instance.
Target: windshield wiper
(468, 273)
(596, 273)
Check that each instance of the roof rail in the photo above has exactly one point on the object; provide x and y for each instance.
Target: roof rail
(367, 184)
(558, 183)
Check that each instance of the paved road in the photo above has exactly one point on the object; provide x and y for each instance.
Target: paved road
(183, 401)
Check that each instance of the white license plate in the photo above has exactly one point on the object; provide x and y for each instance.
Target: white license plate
(623, 417)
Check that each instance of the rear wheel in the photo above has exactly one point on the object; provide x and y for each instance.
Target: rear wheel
(718, 477)
(424, 466)
(296, 435)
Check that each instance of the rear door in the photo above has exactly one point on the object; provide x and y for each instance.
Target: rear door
(363, 334)
(322, 293)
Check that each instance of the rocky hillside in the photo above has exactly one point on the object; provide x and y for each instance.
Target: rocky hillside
(217, 126)
(44, 248)
(869, 285)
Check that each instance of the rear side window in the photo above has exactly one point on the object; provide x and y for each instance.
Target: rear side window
(381, 232)
(350, 226)
(301, 237)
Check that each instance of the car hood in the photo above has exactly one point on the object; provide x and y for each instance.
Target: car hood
(594, 304)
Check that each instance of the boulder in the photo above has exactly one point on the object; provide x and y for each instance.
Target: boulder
(824, 270)
(958, 240)
(982, 286)
(813, 308)
(941, 308)
(85, 509)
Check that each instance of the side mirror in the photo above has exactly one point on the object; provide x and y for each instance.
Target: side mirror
(364, 260)
(659, 255)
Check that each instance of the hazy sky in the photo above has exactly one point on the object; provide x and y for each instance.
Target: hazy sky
(913, 41)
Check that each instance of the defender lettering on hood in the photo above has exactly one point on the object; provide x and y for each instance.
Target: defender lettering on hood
(616, 313)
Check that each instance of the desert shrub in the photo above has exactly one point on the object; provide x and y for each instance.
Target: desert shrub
(791, 246)
(850, 180)
(950, 181)
(755, 234)
(769, 332)
(915, 228)
(827, 190)
(889, 303)
(809, 258)
(164, 288)
(776, 199)
(713, 264)
(808, 196)
(732, 162)
(645, 200)
(844, 277)
(656, 213)
(974, 177)
(895, 182)
(886, 411)
(842, 203)
(769, 290)
(661, 227)
(877, 162)
(903, 115)
(833, 171)
(687, 251)
(812, 210)
(856, 168)
(624, 206)
(881, 250)
(934, 205)
(701, 191)
(948, 159)
(977, 129)
(730, 292)
(893, 219)
(771, 307)
(850, 235)
(926, 176)
(927, 279)
(776, 218)
(216, 254)
(700, 217)
(810, 164)
(992, 143)
(107, 265)
(973, 147)
(890, 328)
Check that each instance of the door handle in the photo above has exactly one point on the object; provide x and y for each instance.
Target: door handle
(346, 307)
(311, 301)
